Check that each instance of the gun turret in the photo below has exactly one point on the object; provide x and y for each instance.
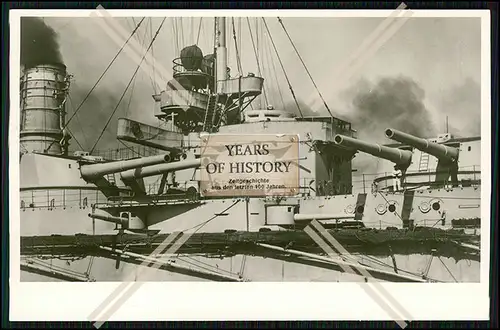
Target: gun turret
(160, 169)
(397, 156)
(435, 149)
(95, 171)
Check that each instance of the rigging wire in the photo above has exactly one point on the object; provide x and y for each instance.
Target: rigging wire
(243, 264)
(206, 265)
(238, 59)
(228, 49)
(181, 23)
(240, 47)
(267, 84)
(66, 271)
(133, 20)
(273, 66)
(106, 70)
(283, 68)
(89, 267)
(191, 30)
(215, 40)
(135, 78)
(272, 77)
(257, 47)
(201, 225)
(383, 264)
(95, 85)
(449, 271)
(128, 85)
(161, 123)
(206, 36)
(72, 135)
(79, 123)
(305, 67)
(127, 109)
(199, 30)
(152, 53)
(256, 56)
(174, 30)
(152, 79)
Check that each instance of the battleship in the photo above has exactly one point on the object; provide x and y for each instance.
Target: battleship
(101, 217)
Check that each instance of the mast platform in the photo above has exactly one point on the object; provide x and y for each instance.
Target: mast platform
(147, 135)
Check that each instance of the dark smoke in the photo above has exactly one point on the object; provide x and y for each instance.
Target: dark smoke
(39, 43)
(390, 102)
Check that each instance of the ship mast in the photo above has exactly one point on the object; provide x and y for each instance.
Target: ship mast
(220, 51)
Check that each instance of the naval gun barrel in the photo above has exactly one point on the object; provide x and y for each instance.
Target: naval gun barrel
(397, 156)
(108, 218)
(310, 217)
(94, 171)
(435, 149)
(160, 169)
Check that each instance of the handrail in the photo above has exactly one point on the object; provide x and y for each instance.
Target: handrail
(54, 198)
(44, 188)
(178, 67)
(126, 153)
(413, 174)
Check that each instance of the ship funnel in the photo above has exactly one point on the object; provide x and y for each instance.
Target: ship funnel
(160, 169)
(43, 96)
(94, 171)
(397, 156)
(435, 149)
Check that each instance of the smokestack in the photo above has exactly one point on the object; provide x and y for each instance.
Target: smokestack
(44, 86)
(38, 43)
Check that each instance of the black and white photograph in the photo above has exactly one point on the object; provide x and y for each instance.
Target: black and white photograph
(294, 148)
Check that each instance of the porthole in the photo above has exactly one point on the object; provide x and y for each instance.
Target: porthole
(424, 207)
(381, 209)
(349, 209)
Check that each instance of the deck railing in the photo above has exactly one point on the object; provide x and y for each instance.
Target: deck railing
(78, 197)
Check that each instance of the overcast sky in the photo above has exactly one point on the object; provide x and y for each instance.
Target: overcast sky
(440, 56)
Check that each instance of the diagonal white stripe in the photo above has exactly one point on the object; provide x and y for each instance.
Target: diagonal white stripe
(368, 47)
(109, 21)
(390, 32)
(130, 278)
(136, 285)
(131, 51)
(364, 46)
(363, 271)
(369, 290)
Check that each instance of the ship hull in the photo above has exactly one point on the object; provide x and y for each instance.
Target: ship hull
(255, 269)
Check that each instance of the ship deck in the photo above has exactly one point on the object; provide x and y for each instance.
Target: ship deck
(446, 243)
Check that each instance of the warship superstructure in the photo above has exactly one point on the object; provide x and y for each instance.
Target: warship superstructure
(87, 217)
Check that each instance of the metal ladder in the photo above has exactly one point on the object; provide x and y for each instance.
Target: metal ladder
(111, 179)
(209, 113)
(424, 162)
